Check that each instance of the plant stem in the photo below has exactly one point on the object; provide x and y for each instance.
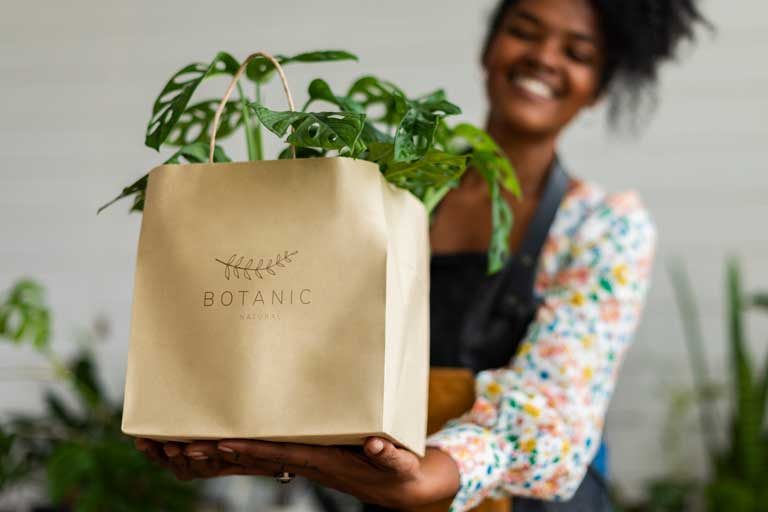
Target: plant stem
(258, 143)
(248, 122)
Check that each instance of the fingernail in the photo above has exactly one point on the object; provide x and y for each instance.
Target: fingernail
(226, 449)
(376, 446)
(197, 455)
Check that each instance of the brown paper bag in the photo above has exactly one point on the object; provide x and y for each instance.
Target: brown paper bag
(280, 300)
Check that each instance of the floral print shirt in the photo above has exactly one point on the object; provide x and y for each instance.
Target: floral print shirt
(536, 424)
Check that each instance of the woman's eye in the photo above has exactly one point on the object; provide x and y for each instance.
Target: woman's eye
(521, 32)
(581, 56)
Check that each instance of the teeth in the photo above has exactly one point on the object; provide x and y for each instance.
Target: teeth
(535, 87)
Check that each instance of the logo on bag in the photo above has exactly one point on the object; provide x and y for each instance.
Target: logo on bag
(235, 267)
(256, 304)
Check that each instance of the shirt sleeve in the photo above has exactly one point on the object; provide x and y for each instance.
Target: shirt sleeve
(536, 425)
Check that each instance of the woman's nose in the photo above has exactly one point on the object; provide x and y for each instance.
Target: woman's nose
(544, 55)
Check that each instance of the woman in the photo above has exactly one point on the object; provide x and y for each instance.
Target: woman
(548, 333)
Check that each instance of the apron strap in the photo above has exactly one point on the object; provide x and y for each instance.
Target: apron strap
(502, 312)
(557, 186)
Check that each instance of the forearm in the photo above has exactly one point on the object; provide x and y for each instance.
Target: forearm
(440, 475)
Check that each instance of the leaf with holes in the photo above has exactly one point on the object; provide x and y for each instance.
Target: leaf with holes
(194, 125)
(320, 130)
(371, 92)
(177, 93)
(319, 90)
(260, 69)
(415, 135)
(416, 132)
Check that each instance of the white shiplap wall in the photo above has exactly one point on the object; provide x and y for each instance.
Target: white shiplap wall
(77, 80)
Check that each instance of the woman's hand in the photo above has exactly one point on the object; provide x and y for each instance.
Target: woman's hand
(379, 473)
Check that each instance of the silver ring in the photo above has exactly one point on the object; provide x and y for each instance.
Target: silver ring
(284, 477)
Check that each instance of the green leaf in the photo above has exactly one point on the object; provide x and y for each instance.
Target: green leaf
(175, 96)
(501, 222)
(105, 472)
(762, 399)
(760, 300)
(435, 170)
(24, 316)
(415, 135)
(487, 156)
(429, 179)
(437, 102)
(60, 412)
(87, 386)
(319, 90)
(433, 195)
(323, 56)
(260, 69)
(196, 153)
(6, 444)
(370, 92)
(301, 152)
(194, 125)
(135, 189)
(321, 130)
(747, 443)
(417, 129)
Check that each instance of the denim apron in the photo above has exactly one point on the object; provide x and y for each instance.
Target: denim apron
(477, 322)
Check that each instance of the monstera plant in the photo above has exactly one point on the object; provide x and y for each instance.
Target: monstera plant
(373, 119)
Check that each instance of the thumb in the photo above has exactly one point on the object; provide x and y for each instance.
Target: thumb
(386, 455)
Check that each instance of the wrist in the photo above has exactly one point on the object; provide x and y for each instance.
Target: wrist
(439, 475)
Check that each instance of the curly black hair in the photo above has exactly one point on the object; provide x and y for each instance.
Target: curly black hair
(639, 36)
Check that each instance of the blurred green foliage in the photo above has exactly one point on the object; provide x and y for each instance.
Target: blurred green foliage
(738, 465)
(76, 444)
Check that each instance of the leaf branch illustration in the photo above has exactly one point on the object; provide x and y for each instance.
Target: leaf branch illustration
(238, 266)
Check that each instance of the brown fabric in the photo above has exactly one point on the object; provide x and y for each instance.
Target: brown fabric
(451, 394)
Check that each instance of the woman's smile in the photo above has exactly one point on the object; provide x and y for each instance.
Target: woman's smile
(532, 87)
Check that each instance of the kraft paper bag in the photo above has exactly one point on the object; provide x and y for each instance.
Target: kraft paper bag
(280, 300)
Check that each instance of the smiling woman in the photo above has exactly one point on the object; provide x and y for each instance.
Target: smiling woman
(542, 341)
(544, 64)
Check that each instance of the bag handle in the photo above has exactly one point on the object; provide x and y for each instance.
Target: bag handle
(233, 83)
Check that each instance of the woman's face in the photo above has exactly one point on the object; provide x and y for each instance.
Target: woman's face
(544, 65)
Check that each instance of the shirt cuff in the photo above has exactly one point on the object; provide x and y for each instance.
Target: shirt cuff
(479, 455)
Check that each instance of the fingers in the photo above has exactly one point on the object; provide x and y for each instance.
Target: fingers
(385, 454)
(204, 468)
(153, 451)
(149, 448)
(178, 462)
(296, 458)
(202, 450)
